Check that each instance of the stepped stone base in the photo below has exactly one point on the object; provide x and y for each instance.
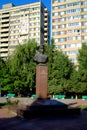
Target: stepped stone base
(46, 108)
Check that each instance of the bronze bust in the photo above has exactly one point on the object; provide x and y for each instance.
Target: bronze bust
(40, 58)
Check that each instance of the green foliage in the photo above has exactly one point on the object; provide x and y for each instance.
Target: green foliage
(2, 69)
(83, 107)
(82, 69)
(73, 82)
(17, 74)
(59, 70)
(82, 57)
(78, 80)
(21, 69)
(2, 105)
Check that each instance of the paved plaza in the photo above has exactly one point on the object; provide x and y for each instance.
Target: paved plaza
(10, 121)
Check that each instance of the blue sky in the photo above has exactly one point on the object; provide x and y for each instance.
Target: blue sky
(21, 2)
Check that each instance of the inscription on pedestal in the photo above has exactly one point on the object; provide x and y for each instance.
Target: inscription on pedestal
(41, 82)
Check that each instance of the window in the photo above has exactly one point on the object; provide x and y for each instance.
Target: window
(74, 24)
(55, 1)
(78, 37)
(85, 2)
(62, 32)
(73, 10)
(85, 37)
(85, 9)
(61, 0)
(12, 47)
(73, 4)
(56, 40)
(85, 23)
(62, 39)
(56, 7)
(84, 30)
(77, 30)
(59, 46)
(55, 27)
(71, 52)
(37, 34)
(55, 33)
(37, 29)
(69, 18)
(62, 6)
(73, 45)
(56, 14)
(69, 31)
(70, 38)
(77, 17)
(32, 34)
(62, 26)
(32, 29)
(67, 46)
(85, 16)
(55, 20)
(61, 19)
(73, 59)
(62, 13)
(79, 45)
(62, 46)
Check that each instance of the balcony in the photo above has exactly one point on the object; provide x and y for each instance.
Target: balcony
(45, 24)
(4, 20)
(45, 39)
(45, 19)
(4, 34)
(45, 34)
(4, 39)
(5, 15)
(3, 54)
(4, 30)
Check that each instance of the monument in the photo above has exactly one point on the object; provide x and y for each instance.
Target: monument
(41, 106)
(41, 73)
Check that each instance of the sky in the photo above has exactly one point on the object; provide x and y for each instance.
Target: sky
(22, 2)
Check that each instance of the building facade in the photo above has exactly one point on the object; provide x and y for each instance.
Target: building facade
(69, 26)
(18, 24)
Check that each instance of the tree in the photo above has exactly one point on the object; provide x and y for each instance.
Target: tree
(82, 57)
(2, 68)
(59, 70)
(62, 69)
(73, 84)
(22, 68)
(82, 69)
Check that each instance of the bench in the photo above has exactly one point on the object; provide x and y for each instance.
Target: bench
(10, 95)
(59, 96)
(33, 96)
(84, 97)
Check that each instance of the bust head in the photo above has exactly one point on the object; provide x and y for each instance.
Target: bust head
(40, 58)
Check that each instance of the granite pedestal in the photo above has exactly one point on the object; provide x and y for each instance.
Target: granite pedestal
(41, 81)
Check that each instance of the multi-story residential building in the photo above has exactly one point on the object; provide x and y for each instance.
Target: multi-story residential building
(69, 26)
(18, 24)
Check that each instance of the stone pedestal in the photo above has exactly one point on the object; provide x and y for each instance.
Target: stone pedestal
(41, 81)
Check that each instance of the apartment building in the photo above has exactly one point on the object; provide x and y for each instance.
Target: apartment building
(18, 24)
(69, 26)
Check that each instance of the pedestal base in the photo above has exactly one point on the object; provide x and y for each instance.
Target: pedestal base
(41, 81)
(46, 108)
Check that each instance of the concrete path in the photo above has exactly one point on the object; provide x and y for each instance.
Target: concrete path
(9, 121)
